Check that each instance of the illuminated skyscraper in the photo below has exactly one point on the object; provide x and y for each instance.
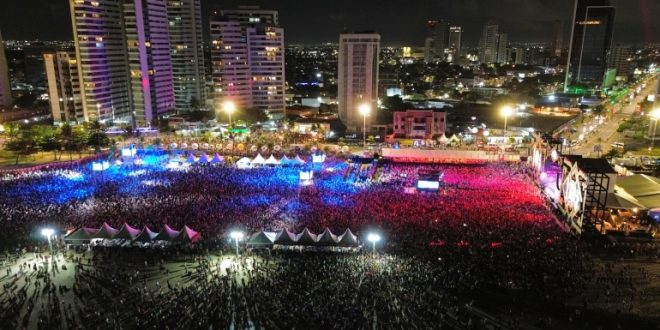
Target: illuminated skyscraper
(437, 41)
(5, 88)
(148, 40)
(64, 87)
(248, 60)
(591, 38)
(502, 56)
(455, 40)
(557, 38)
(619, 59)
(187, 49)
(488, 44)
(98, 34)
(357, 77)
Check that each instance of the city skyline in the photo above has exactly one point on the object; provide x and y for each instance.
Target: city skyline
(530, 21)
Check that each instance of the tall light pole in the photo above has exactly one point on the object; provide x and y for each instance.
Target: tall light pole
(373, 238)
(655, 115)
(236, 236)
(229, 107)
(364, 109)
(48, 233)
(506, 111)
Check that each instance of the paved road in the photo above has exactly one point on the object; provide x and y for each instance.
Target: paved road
(607, 130)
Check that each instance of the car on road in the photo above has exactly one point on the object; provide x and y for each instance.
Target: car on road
(618, 145)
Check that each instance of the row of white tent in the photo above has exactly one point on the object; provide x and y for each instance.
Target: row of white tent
(305, 238)
(444, 139)
(258, 160)
(126, 232)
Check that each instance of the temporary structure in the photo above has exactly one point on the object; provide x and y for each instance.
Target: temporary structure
(327, 238)
(191, 158)
(348, 239)
(259, 160)
(127, 232)
(272, 161)
(188, 235)
(285, 161)
(204, 158)
(298, 161)
(306, 238)
(167, 234)
(243, 162)
(217, 159)
(284, 237)
(106, 232)
(262, 239)
(81, 235)
(146, 236)
(443, 139)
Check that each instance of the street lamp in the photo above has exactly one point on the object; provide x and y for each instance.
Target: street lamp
(506, 111)
(48, 232)
(236, 236)
(373, 238)
(364, 109)
(229, 107)
(655, 115)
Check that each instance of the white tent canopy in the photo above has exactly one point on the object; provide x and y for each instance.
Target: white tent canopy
(243, 162)
(443, 139)
(306, 238)
(272, 161)
(259, 160)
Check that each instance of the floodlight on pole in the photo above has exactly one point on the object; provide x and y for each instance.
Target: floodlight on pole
(229, 107)
(236, 236)
(364, 110)
(373, 238)
(506, 111)
(48, 232)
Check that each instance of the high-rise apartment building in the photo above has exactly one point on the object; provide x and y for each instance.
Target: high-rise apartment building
(502, 55)
(187, 52)
(148, 40)
(619, 59)
(64, 87)
(248, 60)
(488, 46)
(266, 58)
(519, 55)
(437, 41)
(557, 38)
(455, 40)
(357, 77)
(5, 87)
(98, 33)
(591, 38)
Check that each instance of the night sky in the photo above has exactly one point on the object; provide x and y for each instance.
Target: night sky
(399, 22)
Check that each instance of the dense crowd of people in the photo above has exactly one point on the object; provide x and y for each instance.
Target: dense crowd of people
(488, 228)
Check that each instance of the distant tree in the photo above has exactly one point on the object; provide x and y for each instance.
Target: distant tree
(98, 140)
(80, 139)
(13, 130)
(47, 139)
(394, 103)
(24, 145)
(194, 104)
